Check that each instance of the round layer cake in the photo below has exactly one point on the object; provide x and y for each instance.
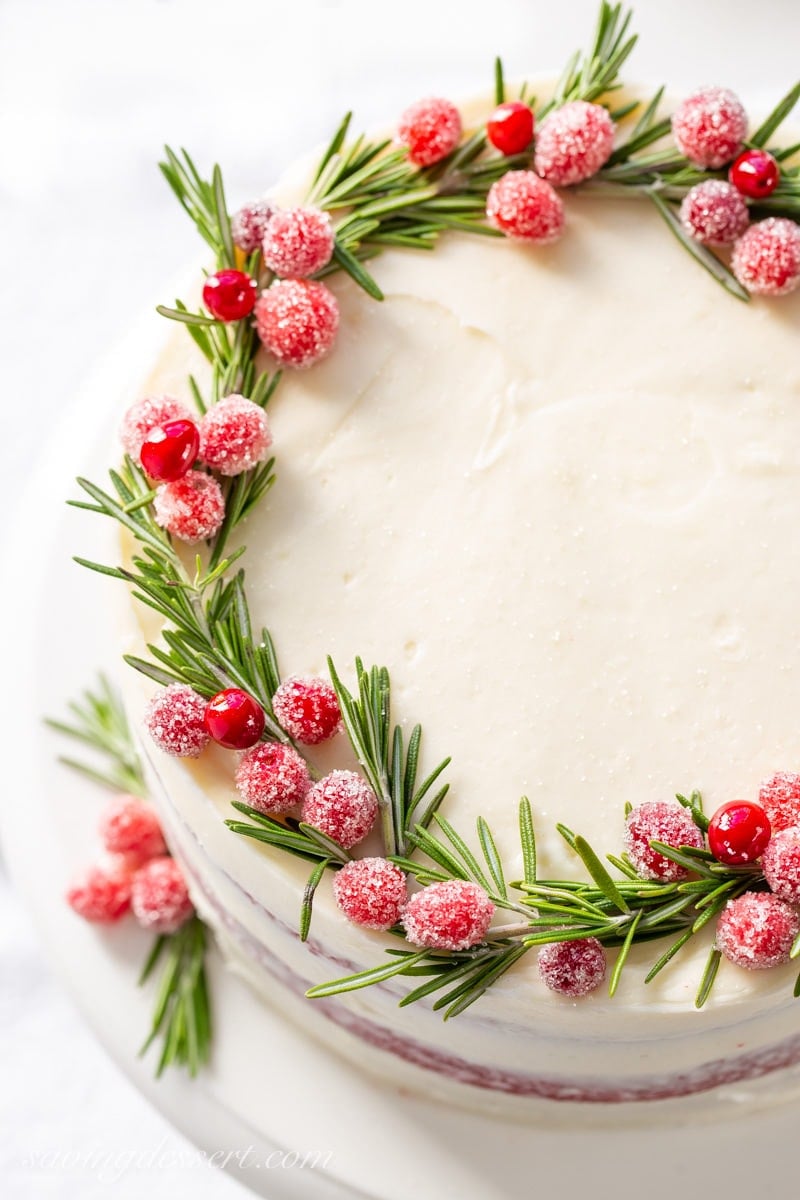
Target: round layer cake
(554, 489)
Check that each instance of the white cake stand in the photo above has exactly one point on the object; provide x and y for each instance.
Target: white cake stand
(272, 1099)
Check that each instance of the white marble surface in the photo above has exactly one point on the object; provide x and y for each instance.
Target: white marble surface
(89, 90)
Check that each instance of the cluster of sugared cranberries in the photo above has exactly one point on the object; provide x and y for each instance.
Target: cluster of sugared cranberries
(273, 778)
(757, 930)
(572, 968)
(160, 899)
(343, 806)
(430, 130)
(766, 259)
(526, 208)
(234, 435)
(132, 828)
(452, 915)
(146, 415)
(307, 709)
(573, 143)
(191, 508)
(714, 212)
(659, 821)
(371, 892)
(709, 126)
(249, 225)
(298, 242)
(174, 718)
(297, 321)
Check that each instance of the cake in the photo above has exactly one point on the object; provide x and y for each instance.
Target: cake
(550, 481)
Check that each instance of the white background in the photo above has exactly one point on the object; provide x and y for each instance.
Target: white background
(89, 91)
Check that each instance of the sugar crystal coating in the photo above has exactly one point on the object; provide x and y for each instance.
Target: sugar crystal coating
(192, 509)
(343, 806)
(249, 225)
(160, 898)
(766, 259)
(174, 718)
(101, 896)
(662, 821)
(573, 143)
(148, 414)
(272, 778)
(709, 126)
(298, 242)
(452, 915)
(756, 930)
(234, 435)
(297, 321)
(781, 865)
(430, 129)
(526, 208)
(130, 826)
(572, 968)
(371, 892)
(714, 212)
(780, 798)
(307, 709)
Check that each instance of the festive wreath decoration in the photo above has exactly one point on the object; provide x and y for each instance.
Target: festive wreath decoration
(192, 475)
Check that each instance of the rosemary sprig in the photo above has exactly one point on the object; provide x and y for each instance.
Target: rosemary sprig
(182, 1015)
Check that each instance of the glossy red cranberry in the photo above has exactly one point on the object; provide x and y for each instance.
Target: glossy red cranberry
(230, 295)
(755, 173)
(234, 719)
(169, 450)
(510, 127)
(739, 832)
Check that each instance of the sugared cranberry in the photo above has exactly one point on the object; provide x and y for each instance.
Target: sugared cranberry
(452, 915)
(431, 130)
(129, 826)
(780, 798)
(230, 295)
(343, 806)
(781, 865)
(307, 709)
(297, 320)
(738, 832)
(102, 896)
(709, 126)
(249, 225)
(755, 173)
(510, 127)
(713, 212)
(145, 415)
(659, 821)
(192, 509)
(298, 242)
(526, 208)
(160, 898)
(272, 778)
(766, 259)
(234, 435)
(174, 720)
(234, 719)
(371, 892)
(573, 143)
(572, 968)
(169, 450)
(757, 930)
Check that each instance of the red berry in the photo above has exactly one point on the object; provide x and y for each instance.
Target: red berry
(430, 129)
(780, 798)
(756, 931)
(297, 321)
(160, 898)
(102, 896)
(524, 207)
(273, 778)
(371, 892)
(781, 865)
(230, 295)
(298, 242)
(766, 259)
(249, 225)
(174, 720)
(713, 212)
(659, 821)
(709, 126)
(145, 415)
(234, 719)
(234, 435)
(192, 509)
(510, 127)
(129, 826)
(169, 450)
(573, 143)
(343, 806)
(307, 709)
(755, 173)
(738, 832)
(452, 915)
(572, 968)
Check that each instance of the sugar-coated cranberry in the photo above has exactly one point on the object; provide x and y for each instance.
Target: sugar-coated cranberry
(159, 897)
(343, 806)
(101, 896)
(526, 208)
(273, 778)
(709, 126)
(430, 129)
(452, 915)
(659, 821)
(757, 930)
(307, 709)
(371, 892)
(573, 143)
(572, 968)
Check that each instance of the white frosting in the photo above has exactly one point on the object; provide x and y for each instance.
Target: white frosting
(556, 491)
